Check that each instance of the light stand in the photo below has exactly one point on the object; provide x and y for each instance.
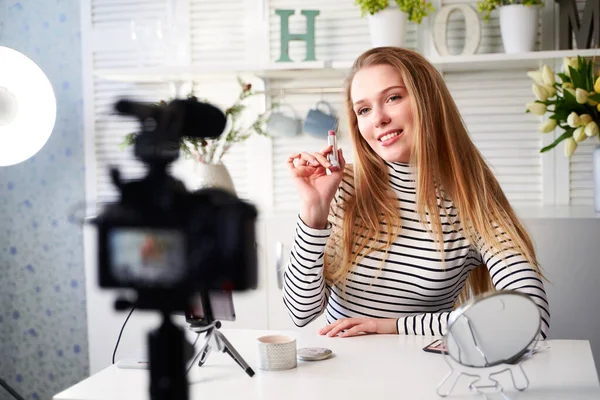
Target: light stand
(10, 390)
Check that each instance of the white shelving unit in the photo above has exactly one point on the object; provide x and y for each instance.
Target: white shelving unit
(333, 69)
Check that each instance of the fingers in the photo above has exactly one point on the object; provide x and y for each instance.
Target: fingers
(329, 327)
(356, 330)
(316, 160)
(300, 169)
(305, 159)
(326, 150)
(338, 326)
(341, 159)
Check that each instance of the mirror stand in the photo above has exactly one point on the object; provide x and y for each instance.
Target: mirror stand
(485, 377)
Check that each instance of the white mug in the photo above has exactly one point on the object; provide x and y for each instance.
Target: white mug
(276, 352)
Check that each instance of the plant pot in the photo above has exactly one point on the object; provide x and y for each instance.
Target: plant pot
(519, 27)
(388, 27)
(213, 176)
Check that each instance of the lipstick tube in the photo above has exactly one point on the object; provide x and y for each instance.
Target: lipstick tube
(333, 156)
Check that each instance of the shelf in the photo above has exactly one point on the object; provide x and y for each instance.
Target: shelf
(531, 60)
(332, 69)
(296, 70)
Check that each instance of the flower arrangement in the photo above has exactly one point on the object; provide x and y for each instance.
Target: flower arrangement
(573, 103)
(416, 9)
(487, 6)
(211, 151)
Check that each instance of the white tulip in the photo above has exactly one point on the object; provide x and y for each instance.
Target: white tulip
(579, 134)
(537, 77)
(570, 146)
(537, 108)
(572, 91)
(585, 119)
(565, 64)
(551, 90)
(573, 120)
(574, 63)
(581, 96)
(540, 92)
(548, 126)
(591, 129)
(568, 85)
(547, 75)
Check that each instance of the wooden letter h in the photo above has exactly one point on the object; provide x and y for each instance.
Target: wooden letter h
(286, 36)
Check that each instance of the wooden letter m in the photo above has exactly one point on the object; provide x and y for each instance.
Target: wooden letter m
(569, 25)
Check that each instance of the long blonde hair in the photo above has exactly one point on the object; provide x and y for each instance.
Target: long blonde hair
(445, 159)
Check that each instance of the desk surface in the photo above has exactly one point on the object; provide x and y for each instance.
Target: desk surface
(365, 367)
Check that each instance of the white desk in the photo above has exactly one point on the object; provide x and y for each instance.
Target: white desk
(363, 368)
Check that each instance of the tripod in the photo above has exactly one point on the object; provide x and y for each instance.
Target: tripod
(216, 338)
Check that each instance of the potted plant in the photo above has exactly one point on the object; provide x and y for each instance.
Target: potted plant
(209, 153)
(572, 100)
(388, 19)
(518, 22)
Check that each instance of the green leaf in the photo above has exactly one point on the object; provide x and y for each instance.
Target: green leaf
(588, 75)
(560, 115)
(571, 104)
(564, 77)
(578, 79)
(562, 137)
(595, 97)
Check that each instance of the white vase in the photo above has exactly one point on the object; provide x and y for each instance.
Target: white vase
(519, 27)
(388, 27)
(213, 176)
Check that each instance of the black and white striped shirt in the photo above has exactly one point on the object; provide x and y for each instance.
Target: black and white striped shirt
(414, 285)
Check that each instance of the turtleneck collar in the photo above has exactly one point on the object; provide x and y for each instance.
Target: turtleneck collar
(402, 175)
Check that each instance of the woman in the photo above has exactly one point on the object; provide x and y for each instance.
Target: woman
(390, 244)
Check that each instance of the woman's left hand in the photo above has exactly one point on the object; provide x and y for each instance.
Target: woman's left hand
(357, 326)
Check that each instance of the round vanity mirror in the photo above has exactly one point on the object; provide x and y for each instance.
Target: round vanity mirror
(492, 329)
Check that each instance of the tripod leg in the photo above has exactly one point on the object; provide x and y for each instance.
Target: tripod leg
(229, 349)
(204, 354)
(205, 350)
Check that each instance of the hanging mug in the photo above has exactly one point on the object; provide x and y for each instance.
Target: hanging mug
(280, 124)
(318, 123)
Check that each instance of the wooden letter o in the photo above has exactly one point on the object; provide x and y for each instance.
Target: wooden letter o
(473, 29)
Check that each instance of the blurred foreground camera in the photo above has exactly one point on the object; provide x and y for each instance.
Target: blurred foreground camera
(173, 246)
(162, 240)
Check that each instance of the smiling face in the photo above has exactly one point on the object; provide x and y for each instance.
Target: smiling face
(383, 111)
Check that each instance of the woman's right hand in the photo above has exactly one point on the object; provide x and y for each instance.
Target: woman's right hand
(316, 188)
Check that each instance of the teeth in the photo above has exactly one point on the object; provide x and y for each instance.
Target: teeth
(389, 136)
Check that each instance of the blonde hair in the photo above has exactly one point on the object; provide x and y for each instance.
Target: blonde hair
(448, 165)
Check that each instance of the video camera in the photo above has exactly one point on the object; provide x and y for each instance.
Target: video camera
(168, 244)
(160, 239)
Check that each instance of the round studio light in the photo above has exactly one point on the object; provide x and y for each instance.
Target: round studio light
(27, 107)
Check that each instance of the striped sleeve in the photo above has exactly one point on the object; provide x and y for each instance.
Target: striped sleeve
(433, 324)
(304, 291)
(508, 270)
(511, 271)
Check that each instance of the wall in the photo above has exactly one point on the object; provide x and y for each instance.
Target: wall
(43, 344)
(568, 252)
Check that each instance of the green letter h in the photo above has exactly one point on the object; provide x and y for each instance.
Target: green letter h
(308, 37)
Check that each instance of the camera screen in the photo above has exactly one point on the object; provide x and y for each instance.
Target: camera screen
(152, 257)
